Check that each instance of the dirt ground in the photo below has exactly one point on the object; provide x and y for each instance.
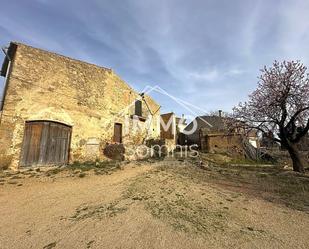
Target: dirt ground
(164, 204)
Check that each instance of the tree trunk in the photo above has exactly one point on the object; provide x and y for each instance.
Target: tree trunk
(298, 164)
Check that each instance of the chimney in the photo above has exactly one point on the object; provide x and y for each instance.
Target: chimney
(220, 113)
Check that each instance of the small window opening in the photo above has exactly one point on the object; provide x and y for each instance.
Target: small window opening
(138, 108)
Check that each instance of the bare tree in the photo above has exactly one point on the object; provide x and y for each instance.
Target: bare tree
(280, 105)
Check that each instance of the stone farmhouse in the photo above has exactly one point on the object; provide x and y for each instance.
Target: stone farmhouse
(56, 110)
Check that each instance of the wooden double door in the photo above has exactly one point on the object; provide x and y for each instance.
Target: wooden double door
(45, 143)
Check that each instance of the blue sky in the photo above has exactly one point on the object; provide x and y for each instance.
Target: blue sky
(207, 52)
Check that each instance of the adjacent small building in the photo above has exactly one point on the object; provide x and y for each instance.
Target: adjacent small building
(215, 133)
(56, 110)
(171, 128)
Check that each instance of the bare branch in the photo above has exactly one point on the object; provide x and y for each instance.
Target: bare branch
(280, 104)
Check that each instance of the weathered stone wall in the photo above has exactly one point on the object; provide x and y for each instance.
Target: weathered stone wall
(47, 86)
(219, 142)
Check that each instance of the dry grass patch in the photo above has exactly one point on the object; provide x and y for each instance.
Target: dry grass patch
(177, 202)
(269, 182)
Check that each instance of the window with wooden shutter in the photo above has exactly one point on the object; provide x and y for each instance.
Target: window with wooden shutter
(118, 133)
(138, 108)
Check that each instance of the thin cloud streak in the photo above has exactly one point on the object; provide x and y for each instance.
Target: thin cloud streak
(206, 52)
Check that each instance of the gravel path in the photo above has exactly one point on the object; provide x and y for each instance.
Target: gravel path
(142, 207)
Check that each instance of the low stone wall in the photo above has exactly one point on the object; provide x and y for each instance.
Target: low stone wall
(222, 143)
